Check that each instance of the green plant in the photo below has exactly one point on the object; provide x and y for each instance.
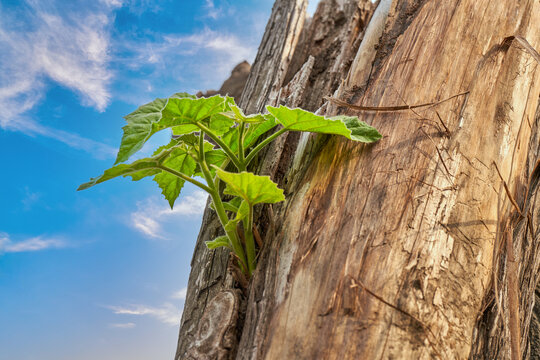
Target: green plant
(234, 139)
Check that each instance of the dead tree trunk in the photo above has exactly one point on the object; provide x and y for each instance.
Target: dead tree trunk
(423, 245)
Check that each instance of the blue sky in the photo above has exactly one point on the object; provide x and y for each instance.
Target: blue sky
(99, 274)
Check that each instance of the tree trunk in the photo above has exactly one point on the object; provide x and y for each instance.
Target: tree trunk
(423, 245)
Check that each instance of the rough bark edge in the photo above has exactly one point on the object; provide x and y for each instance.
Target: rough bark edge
(492, 332)
(212, 272)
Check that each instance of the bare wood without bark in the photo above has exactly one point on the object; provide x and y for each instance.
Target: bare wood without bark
(395, 250)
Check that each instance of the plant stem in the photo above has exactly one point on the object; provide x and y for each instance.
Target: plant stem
(224, 146)
(250, 243)
(218, 205)
(231, 234)
(203, 165)
(262, 144)
(241, 144)
(185, 177)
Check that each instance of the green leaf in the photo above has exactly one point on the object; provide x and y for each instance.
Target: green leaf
(220, 123)
(180, 112)
(239, 116)
(191, 140)
(229, 207)
(139, 128)
(180, 95)
(137, 170)
(235, 203)
(243, 210)
(218, 242)
(241, 213)
(230, 138)
(360, 131)
(171, 185)
(254, 189)
(184, 129)
(301, 120)
(170, 154)
(255, 130)
(216, 157)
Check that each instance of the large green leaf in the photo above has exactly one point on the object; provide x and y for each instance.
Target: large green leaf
(180, 112)
(230, 138)
(184, 129)
(254, 189)
(186, 111)
(139, 128)
(220, 123)
(301, 120)
(170, 184)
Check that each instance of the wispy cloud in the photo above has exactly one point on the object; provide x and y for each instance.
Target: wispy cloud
(224, 45)
(71, 50)
(167, 313)
(211, 10)
(113, 3)
(31, 128)
(153, 213)
(207, 55)
(180, 294)
(33, 244)
(129, 325)
(76, 49)
(30, 198)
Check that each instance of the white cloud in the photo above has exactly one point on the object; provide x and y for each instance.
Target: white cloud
(72, 51)
(33, 244)
(31, 128)
(113, 3)
(211, 10)
(167, 313)
(222, 43)
(180, 294)
(206, 55)
(30, 198)
(129, 325)
(152, 213)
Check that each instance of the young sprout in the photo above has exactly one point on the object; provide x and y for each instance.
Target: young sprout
(236, 139)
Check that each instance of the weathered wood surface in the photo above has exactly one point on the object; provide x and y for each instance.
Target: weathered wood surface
(274, 55)
(211, 272)
(492, 334)
(331, 38)
(389, 250)
(412, 218)
(534, 333)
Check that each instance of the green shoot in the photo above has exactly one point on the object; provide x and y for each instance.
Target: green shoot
(236, 139)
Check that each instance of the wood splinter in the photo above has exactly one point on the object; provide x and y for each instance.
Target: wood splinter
(389, 108)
